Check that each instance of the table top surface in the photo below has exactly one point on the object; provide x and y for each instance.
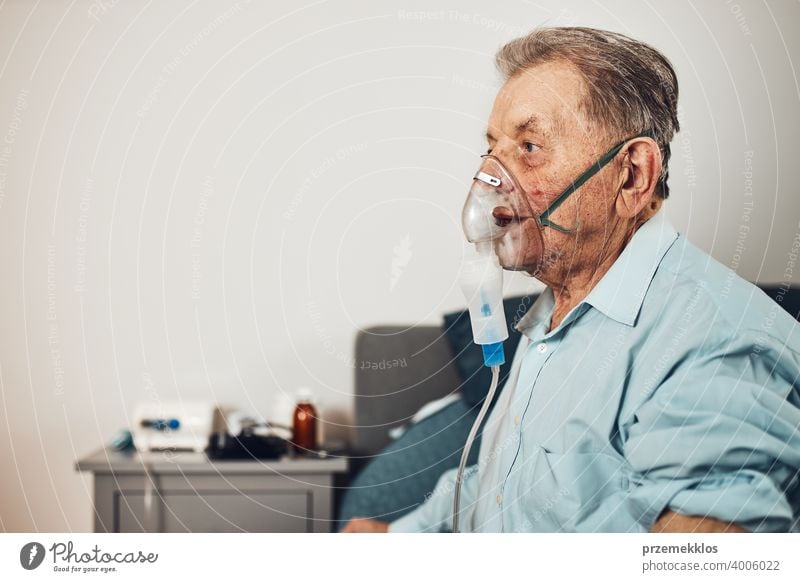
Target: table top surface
(107, 460)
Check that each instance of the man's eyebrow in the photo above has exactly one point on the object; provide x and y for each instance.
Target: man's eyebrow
(535, 124)
(530, 124)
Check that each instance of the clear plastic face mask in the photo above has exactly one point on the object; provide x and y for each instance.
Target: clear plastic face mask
(497, 211)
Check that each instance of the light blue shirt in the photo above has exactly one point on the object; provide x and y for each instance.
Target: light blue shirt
(673, 384)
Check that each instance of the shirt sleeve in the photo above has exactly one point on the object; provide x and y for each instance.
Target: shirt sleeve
(720, 437)
(436, 514)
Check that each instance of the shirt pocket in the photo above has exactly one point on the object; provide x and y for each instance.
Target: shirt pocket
(571, 491)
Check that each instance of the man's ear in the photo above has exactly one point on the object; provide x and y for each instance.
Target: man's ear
(640, 177)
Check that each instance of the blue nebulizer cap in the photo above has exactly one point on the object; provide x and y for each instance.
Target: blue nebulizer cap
(493, 354)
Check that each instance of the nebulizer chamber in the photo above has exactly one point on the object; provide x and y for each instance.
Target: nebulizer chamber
(482, 284)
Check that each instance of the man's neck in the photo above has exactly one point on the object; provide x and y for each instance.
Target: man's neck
(575, 290)
(574, 286)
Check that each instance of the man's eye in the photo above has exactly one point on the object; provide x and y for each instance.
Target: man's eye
(530, 147)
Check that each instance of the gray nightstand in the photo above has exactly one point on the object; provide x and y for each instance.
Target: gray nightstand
(190, 492)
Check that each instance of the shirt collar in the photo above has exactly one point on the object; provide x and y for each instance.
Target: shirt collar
(620, 293)
(538, 316)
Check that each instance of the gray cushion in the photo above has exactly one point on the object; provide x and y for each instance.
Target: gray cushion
(398, 369)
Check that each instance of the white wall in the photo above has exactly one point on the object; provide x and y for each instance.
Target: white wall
(199, 200)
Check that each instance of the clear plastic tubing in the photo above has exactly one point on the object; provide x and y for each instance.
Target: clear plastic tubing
(468, 445)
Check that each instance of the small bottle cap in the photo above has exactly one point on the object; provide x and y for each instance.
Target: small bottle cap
(304, 394)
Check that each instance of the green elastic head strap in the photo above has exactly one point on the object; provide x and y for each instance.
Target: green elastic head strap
(544, 217)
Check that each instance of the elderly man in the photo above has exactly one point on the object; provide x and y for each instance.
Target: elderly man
(653, 389)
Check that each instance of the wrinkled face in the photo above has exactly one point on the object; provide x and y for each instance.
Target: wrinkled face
(539, 132)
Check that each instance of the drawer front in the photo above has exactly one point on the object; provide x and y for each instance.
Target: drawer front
(217, 511)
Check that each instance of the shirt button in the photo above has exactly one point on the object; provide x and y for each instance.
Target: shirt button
(499, 499)
(541, 348)
(516, 420)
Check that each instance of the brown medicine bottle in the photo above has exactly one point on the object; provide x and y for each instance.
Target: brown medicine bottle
(304, 423)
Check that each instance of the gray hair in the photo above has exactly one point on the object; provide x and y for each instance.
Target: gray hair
(632, 87)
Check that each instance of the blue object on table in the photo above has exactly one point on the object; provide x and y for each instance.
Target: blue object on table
(123, 441)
